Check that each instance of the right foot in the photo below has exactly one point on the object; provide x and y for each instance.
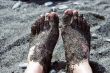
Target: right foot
(44, 36)
(76, 38)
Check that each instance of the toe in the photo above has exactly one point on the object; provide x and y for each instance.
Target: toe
(83, 24)
(44, 22)
(74, 19)
(53, 19)
(68, 12)
(34, 29)
(67, 17)
(79, 22)
(41, 23)
(37, 26)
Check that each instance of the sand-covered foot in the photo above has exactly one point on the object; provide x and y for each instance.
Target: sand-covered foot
(44, 36)
(76, 38)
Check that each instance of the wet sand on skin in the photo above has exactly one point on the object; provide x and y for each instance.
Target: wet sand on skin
(15, 29)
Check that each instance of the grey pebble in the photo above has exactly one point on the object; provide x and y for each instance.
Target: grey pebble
(94, 36)
(93, 29)
(16, 5)
(48, 3)
(76, 3)
(107, 39)
(54, 9)
(53, 71)
(23, 65)
(62, 7)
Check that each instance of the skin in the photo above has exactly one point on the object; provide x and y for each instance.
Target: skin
(76, 38)
(44, 36)
(34, 67)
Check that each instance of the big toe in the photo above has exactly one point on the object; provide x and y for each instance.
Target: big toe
(53, 18)
(68, 15)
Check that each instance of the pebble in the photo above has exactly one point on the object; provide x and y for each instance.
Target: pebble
(93, 29)
(61, 7)
(98, 16)
(53, 71)
(94, 36)
(18, 4)
(76, 3)
(54, 9)
(107, 39)
(62, 71)
(23, 65)
(48, 4)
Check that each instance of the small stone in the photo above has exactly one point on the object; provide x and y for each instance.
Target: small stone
(63, 72)
(18, 4)
(93, 29)
(76, 3)
(48, 4)
(23, 65)
(94, 36)
(98, 16)
(100, 53)
(107, 39)
(62, 7)
(53, 71)
(91, 54)
(53, 9)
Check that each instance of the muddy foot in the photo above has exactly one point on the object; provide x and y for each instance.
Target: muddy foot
(44, 36)
(76, 37)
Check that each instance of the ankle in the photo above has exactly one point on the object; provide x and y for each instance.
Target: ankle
(82, 67)
(34, 67)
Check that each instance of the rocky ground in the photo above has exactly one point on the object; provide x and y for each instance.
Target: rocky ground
(16, 20)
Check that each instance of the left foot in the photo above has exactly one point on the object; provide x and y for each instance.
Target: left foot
(44, 36)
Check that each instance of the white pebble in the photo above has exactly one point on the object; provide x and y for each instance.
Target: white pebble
(48, 3)
(76, 3)
(53, 71)
(107, 39)
(94, 36)
(62, 7)
(18, 4)
(22, 65)
(63, 72)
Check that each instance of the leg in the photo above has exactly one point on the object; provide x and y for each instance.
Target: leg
(44, 36)
(76, 37)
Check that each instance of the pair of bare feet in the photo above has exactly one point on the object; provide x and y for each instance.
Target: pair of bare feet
(76, 38)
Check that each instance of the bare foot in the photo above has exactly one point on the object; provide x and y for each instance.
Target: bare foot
(76, 37)
(44, 36)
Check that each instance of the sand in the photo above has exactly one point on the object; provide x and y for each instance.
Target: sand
(15, 29)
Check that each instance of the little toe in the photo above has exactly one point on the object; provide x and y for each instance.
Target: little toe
(37, 26)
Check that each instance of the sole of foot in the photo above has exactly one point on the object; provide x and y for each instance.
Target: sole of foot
(44, 36)
(76, 38)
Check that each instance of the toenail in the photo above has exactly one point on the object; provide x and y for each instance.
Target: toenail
(69, 11)
(75, 12)
(53, 14)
